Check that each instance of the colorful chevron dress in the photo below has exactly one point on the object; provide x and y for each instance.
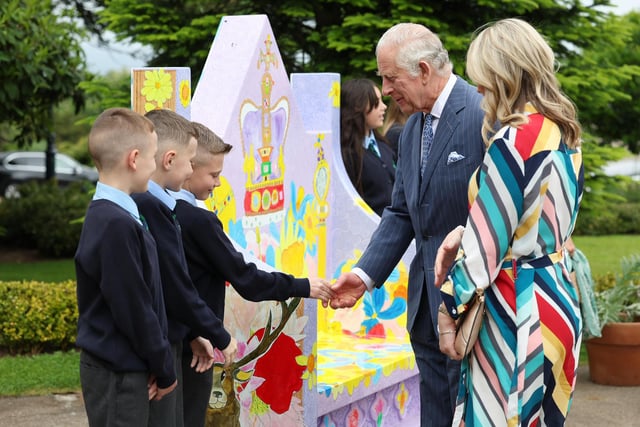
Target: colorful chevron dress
(524, 201)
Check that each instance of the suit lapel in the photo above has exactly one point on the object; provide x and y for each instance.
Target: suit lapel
(447, 124)
(413, 171)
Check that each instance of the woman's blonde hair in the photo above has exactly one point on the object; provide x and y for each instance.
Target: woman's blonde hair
(515, 65)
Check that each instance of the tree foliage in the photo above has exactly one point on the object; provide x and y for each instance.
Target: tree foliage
(340, 35)
(86, 11)
(605, 82)
(41, 64)
(597, 53)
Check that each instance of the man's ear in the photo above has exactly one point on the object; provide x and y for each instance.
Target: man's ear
(168, 158)
(425, 71)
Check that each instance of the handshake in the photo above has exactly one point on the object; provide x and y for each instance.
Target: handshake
(343, 293)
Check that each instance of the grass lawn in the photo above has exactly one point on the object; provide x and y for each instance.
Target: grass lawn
(605, 252)
(41, 271)
(41, 374)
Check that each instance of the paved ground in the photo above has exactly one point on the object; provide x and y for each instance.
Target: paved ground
(603, 406)
(593, 406)
(64, 410)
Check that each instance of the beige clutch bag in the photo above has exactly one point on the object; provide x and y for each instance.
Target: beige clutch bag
(469, 324)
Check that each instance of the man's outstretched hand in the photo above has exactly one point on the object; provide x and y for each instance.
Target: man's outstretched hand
(348, 289)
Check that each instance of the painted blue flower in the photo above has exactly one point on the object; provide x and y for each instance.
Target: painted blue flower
(297, 212)
(374, 303)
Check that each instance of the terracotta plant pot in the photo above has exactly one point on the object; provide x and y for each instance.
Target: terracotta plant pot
(614, 358)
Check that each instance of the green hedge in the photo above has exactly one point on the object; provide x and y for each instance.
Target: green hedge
(37, 317)
(620, 215)
(46, 217)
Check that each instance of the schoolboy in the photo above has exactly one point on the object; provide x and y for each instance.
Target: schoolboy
(186, 311)
(126, 357)
(213, 260)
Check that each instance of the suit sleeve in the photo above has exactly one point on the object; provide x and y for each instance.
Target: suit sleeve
(393, 235)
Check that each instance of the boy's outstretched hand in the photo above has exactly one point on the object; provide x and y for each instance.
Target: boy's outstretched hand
(320, 289)
(349, 288)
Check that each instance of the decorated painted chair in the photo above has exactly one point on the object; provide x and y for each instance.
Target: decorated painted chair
(288, 204)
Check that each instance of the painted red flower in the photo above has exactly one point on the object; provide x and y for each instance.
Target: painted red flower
(282, 374)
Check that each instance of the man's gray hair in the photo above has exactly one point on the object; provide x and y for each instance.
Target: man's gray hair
(415, 43)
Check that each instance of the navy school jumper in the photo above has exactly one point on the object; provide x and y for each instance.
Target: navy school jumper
(122, 318)
(185, 309)
(213, 260)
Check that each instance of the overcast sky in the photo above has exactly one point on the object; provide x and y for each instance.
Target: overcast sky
(120, 56)
(116, 56)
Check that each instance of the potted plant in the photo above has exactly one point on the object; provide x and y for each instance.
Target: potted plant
(614, 357)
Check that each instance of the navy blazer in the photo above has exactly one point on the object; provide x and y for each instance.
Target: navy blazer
(428, 209)
(377, 177)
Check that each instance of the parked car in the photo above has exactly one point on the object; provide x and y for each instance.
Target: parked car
(17, 167)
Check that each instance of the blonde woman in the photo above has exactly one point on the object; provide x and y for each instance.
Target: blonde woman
(394, 121)
(523, 204)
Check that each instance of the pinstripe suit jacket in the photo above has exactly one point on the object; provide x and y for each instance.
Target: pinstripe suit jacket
(428, 209)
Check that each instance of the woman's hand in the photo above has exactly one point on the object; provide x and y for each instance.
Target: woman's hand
(447, 335)
(447, 254)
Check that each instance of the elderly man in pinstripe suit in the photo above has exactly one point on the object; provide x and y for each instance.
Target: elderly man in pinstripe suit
(440, 147)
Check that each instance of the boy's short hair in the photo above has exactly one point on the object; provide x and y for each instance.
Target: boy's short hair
(172, 129)
(117, 131)
(209, 142)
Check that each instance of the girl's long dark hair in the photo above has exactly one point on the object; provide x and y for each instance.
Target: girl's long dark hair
(357, 98)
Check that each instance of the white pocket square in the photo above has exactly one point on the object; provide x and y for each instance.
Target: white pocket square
(454, 157)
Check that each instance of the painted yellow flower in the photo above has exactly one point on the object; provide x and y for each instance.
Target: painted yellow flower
(292, 260)
(401, 399)
(185, 93)
(334, 94)
(310, 373)
(157, 86)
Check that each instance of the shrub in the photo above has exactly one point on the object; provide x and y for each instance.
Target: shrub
(617, 296)
(628, 218)
(45, 217)
(37, 316)
(595, 223)
(621, 217)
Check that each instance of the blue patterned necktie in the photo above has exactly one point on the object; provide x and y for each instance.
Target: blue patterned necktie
(427, 141)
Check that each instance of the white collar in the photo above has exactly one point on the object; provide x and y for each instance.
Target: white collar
(438, 106)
